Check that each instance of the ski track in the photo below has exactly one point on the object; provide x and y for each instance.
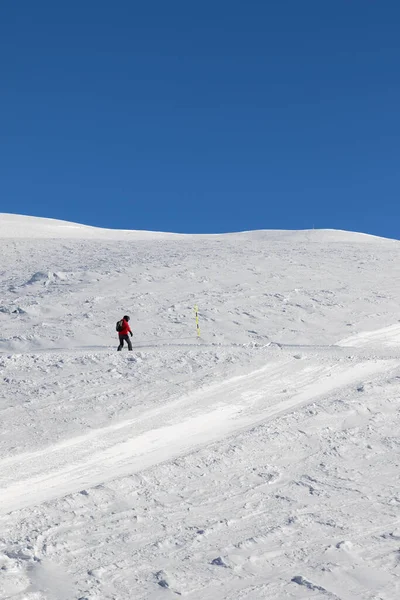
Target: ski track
(385, 337)
(200, 418)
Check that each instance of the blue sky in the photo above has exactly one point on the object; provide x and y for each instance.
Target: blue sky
(202, 116)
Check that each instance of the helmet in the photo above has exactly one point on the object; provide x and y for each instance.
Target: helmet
(126, 318)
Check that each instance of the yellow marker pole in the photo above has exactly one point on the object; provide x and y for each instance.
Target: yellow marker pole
(196, 312)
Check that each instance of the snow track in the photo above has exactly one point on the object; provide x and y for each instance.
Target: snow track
(199, 418)
(385, 337)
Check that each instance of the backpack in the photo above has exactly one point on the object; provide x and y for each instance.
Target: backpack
(118, 326)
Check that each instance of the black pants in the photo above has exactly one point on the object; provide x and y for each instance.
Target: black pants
(122, 339)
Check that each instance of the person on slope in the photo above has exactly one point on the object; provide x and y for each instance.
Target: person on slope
(124, 329)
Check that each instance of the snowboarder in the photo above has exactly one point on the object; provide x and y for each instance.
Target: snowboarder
(124, 329)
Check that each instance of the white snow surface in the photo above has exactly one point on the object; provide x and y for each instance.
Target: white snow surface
(260, 461)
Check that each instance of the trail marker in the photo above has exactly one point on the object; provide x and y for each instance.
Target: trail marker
(196, 312)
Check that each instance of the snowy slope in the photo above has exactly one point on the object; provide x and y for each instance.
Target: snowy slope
(259, 461)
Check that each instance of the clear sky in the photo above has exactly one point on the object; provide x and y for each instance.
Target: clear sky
(206, 116)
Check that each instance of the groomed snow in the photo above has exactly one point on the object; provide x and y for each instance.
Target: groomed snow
(260, 461)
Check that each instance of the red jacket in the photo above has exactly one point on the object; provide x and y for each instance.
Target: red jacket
(125, 328)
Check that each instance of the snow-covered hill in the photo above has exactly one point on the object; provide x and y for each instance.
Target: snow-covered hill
(259, 461)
